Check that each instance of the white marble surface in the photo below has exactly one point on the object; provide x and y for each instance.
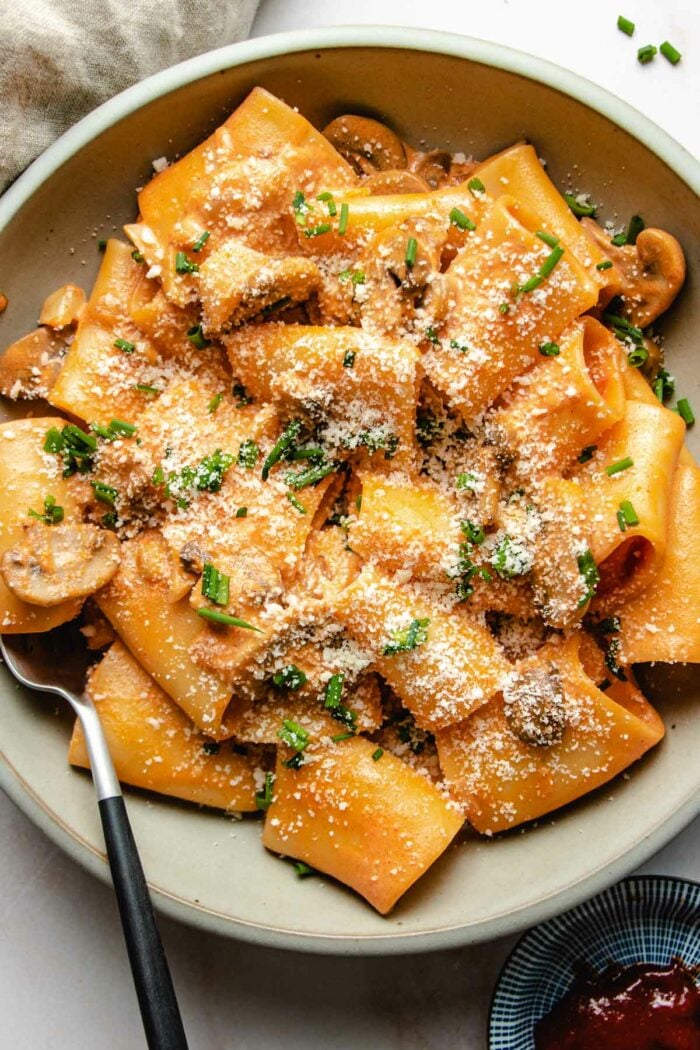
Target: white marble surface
(64, 980)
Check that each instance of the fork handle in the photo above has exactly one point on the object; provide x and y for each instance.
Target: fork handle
(154, 987)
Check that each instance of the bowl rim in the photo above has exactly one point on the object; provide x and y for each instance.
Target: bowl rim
(621, 113)
(625, 886)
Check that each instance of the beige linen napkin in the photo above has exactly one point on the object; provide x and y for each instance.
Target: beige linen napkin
(61, 58)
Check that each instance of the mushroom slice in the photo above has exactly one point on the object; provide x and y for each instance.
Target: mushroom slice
(63, 307)
(56, 563)
(433, 167)
(534, 706)
(29, 367)
(651, 271)
(366, 144)
(385, 183)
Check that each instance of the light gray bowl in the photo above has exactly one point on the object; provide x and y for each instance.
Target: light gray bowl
(445, 91)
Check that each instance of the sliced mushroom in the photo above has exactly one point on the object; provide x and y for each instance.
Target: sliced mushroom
(158, 565)
(56, 563)
(63, 307)
(397, 288)
(534, 706)
(30, 366)
(433, 167)
(192, 557)
(366, 144)
(383, 183)
(650, 272)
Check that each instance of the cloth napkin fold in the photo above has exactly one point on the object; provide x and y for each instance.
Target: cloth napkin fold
(62, 58)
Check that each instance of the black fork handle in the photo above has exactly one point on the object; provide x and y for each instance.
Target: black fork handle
(154, 987)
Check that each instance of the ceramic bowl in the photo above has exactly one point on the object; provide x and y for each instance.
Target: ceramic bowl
(436, 90)
(650, 919)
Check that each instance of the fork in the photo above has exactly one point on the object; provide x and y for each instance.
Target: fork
(58, 662)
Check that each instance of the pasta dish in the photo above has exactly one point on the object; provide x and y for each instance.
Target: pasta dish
(358, 471)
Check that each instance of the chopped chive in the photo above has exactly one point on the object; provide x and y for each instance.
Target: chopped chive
(332, 208)
(411, 251)
(544, 271)
(300, 208)
(101, 244)
(215, 584)
(325, 196)
(460, 220)
(53, 442)
(619, 466)
(294, 735)
(185, 265)
(290, 677)
(53, 514)
(242, 512)
(586, 453)
(604, 265)
(404, 641)
(473, 531)
(637, 356)
(664, 385)
(118, 428)
(104, 493)
(278, 450)
(628, 513)
(668, 51)
(342, 736)
(376, 755)
(624, 25)
(158, 477)
(349, 359)
(146, 389)
(685, 411)
(230, 621)
(343, 220)
(263, 799)
(334, 691)
(109, 520)
(356, 276)
(318, 231)
(630, 234)
(312, 476)
(610, 625)
(304, 870)
(476, 186)
(504, 308)
(579, 210)
(137, 256)
(591, 577)
(549, 349)
(466, 481)
(214, 404)
(125, 345)
(646, 54)
(248, 454)
(201, 241)
(197, 338)
(431, 335)
(548, 238)
(297, 504)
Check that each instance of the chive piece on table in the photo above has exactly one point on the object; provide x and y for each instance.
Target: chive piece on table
(669, 52)
(624, 25)
(646, 54)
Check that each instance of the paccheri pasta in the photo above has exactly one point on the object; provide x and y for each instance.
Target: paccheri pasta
(363, 490)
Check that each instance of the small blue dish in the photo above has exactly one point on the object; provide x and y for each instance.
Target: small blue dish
(642, 919)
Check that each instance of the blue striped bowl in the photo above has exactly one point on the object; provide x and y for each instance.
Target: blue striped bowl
(642, 919)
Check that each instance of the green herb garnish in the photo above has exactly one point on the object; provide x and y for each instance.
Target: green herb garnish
(53, 514)
(215, 584)
(407, 639)
(290, 677)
